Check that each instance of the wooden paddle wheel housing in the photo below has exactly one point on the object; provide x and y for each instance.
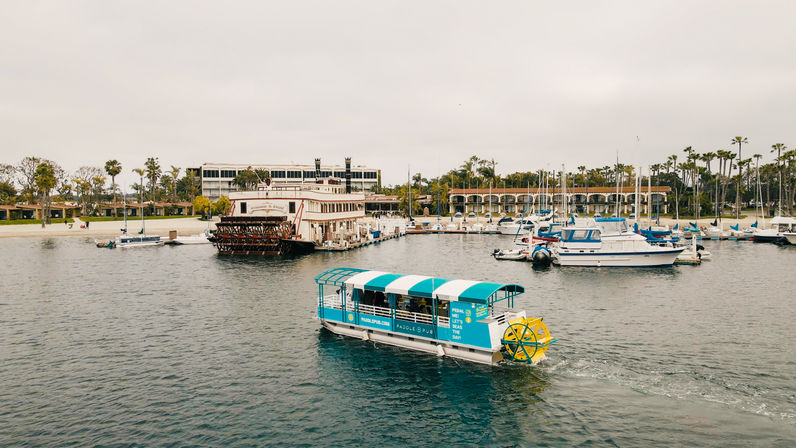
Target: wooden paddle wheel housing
(251, 235)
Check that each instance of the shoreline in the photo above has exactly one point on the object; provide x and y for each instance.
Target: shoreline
(108, 229)
(192, 226)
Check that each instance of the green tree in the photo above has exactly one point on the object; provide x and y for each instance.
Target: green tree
(779, 147)
(141, 172)
(188, 187)
(27, 172)
(246, 180)
(45, 181)
(113, 168)
(222, 206)
(175, 174)
(153, 172)
(83, 180)
(263, 174)
(202, 205)
(8, 193)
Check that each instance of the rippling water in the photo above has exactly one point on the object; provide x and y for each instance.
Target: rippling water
(176, 345)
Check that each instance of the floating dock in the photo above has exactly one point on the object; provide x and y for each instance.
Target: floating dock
(337, 248)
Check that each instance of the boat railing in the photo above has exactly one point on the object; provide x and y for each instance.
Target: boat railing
(374, 310)
(333, 301)
(420, 318)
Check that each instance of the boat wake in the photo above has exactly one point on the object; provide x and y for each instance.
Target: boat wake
(685, 384)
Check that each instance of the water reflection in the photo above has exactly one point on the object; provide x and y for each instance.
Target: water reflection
(492, 401)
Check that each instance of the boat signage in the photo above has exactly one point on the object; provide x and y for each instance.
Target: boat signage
(374, 322)
(415, 328)
(465, 327)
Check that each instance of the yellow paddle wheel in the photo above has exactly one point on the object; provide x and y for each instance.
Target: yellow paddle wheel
(526, 340)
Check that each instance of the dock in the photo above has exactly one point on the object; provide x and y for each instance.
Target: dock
(357, 244)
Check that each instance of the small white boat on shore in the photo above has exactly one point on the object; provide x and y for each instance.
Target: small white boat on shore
(201, 238)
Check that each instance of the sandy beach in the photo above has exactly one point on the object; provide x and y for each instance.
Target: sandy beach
(107, 229)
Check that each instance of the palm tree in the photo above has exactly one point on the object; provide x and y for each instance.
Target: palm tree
(153, 172)
(779, 147)
(140, 172)
(738, 141)
(113, 168)
(175, 173)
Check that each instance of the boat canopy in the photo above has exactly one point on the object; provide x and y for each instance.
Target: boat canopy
(609, 219)
(420, 285)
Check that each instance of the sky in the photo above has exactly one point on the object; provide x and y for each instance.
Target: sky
(396, 85)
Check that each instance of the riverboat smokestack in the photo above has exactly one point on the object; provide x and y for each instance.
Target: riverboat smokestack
(317, 170)
(348, 175)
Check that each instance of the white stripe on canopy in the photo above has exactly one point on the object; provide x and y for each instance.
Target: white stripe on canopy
(358, 281)
(402, 285)
(452, 289)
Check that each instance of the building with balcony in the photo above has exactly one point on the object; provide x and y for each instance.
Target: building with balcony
(602, 200)
(216, 178)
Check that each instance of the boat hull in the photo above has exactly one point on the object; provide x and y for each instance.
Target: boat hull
(425, 345)
(790, 237)
(767, 238)
(619, 259)
(139, 244)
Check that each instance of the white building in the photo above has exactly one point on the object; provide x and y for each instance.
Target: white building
(217, 177)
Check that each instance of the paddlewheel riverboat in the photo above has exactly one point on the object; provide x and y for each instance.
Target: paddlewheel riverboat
(456, 318)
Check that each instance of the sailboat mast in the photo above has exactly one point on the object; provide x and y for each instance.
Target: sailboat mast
(649, 196)
(409, 191)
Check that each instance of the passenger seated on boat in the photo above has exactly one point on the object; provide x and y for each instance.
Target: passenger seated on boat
(380, 299)
(367, 298)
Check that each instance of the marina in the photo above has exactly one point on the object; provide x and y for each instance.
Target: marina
(357, 224)
(214, 342)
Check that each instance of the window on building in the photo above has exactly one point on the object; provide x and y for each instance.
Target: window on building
(294, 174)
(309, 174)
(228, 173)
(278, 174)
(370, 175)
(339, 174)
(210, 173)
(356, 174)
(291, 207)
(326, 174)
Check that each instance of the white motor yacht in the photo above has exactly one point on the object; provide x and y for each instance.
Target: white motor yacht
(585, 246)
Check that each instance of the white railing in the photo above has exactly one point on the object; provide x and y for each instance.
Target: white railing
(374, 310)
(414, 317)
(333, 301)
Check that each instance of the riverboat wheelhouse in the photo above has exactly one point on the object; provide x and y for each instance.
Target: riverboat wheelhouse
(457, 318)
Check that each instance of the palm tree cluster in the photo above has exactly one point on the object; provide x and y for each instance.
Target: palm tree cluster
(31, 182)
(699, 187)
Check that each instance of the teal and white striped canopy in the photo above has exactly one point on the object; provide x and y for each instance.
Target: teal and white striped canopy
(422, 285)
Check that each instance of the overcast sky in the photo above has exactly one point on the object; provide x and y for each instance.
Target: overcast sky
(392, 84)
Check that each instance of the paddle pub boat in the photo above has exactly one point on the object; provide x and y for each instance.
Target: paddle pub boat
(456, 318)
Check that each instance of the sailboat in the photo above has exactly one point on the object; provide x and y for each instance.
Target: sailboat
(142, 239)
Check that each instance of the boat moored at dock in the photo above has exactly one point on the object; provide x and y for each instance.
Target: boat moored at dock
(584, 246)
(456, 318)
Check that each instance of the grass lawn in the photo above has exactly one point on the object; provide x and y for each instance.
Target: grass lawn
(53, 221)
(131, 218)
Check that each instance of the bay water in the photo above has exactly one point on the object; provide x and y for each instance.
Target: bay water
(179, 346)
